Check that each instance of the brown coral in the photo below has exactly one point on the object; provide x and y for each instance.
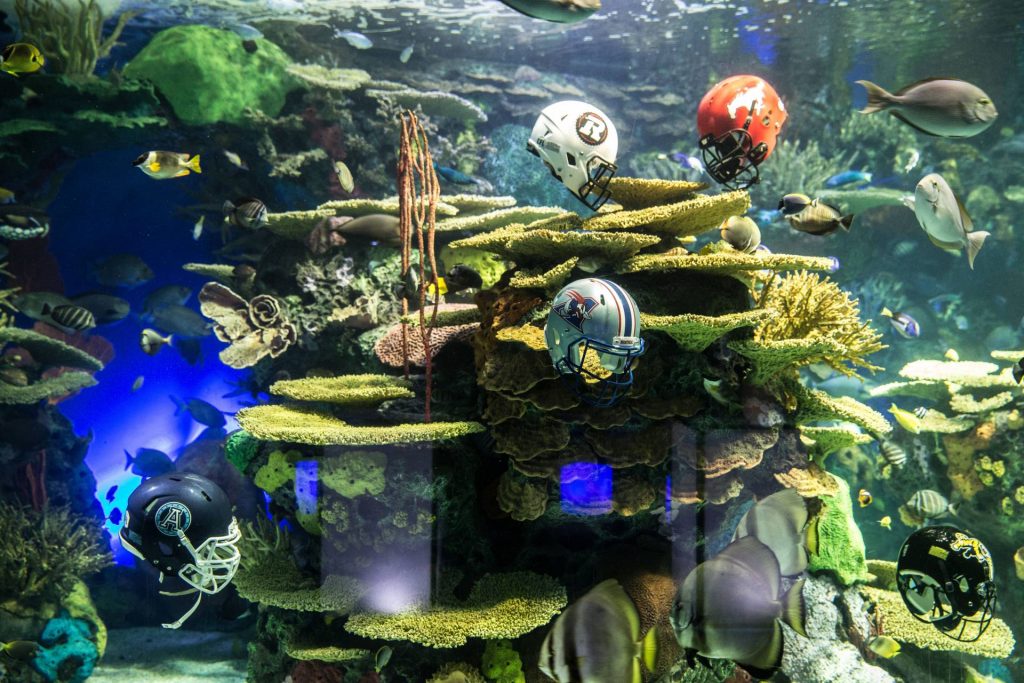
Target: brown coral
(253, 329)
(728, 450)
(523, 499)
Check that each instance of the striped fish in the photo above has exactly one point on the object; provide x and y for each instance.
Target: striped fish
(71, 317)
(893, 453)
(928, 504)
(247, 212)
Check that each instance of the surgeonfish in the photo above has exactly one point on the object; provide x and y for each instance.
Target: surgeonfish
(819, 218)
(201, 411)
(893, 453)
(460, 277)
(906, 419)
(794, 203)
(245, 212)
(162, 165)
(21, 58)
(597, 639)
(848, 178)
(21, 650)
(148, 462)
(943, 217)
(741, 233)
(345, 178)
(70, 317)
(730, 607)
(944, 107)
(375, 226)
(558, 11)
(927, 504)
(780, 521)
(906, 326)
(884, 646)
(151, 341)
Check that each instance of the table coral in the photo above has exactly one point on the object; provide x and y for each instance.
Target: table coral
(432, 103)
(966, 403)
(814, 405)
(549, 246)
(477, 203)
(640, 193)
(970, 374)
(319, 76)
(306, 426)
(934, 421)
(498, 218)
(297, 225)
(830, 439)
(724, 263)
(499, 606)
(809, 482)
(688, 217)
(549, 280)
(346, 390)
(692, 332)
(528, 437)
(840, 546)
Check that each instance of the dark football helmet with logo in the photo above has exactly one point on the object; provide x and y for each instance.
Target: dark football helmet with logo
(182, 524)
(578, 143)
(945, 578)
(593, 336)
(738, 121)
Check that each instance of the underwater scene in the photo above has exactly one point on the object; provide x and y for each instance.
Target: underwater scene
(511, 341)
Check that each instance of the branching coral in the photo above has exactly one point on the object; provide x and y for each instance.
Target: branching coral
(813, 308)
(796, 167)
(72, 39)
(43, 554)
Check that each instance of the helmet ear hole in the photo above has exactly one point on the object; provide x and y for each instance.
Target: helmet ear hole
(570, 159)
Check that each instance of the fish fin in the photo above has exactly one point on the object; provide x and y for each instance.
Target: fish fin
(846, 221)
(909, 201)
(886, 313)
(128, 458)
(766, 661)
(154, 166)
(948, 247)
(913, 125)
(226, 208)
(974, 242)
(964, 216)
(649, 649)
(878, 97)
(794, 612)
(812, 539)
(182, 172)
(193, 163)
(179, 405)
(905, 89)
(47, 309)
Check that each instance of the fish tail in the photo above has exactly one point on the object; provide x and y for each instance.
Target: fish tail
(128, 459)
(886, 313)
(846, 221)
(878, 97)
(812, 538)
(794, 611)
(227, 207)
(179, 405)
(193, 163)
(974, 242)
(649, 649)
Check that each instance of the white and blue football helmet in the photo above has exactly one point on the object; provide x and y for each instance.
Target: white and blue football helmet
(594, 316)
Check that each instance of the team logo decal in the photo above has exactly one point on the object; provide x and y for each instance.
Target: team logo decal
(591, 128)
(969, 547)
(575, 309)
(172, 518)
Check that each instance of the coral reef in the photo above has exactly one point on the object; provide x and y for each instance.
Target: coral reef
(71, 37)
(347, 390)
(498, 218)
(253, 329)
(840, 546)
(499, 606)
(640, 193)
(682, 219)
(694, 332)
(338, 80)
(515, 243)
(725, 263)
(522, 498)
(67, 650)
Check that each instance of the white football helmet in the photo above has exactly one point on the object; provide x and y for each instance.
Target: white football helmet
(595, 316)
(579, 145)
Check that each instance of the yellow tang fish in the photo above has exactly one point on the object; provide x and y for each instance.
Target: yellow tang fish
(161, 165)
(906, 419)
(864, 498)
(951, 355)
(884, 646)
(885, 522)
(21, 58)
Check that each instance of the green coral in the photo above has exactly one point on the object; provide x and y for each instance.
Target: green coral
(240, 448)
(814, 405)
(724, 263)
(355, 473)
(118, 120)
(550, 246)
(688, 217)
(497, 219)
(499, 606)
(49, 351)
(44, 553)
(490, 266)
(61, 385)
(548, 280)
(501, 663)
(312, 651)
(694, 332)
(12, 127)
(347, 390)
(640, 193)
(208, 77)
(305, 426)
(840, 546)
(279, 470)
(770, 358)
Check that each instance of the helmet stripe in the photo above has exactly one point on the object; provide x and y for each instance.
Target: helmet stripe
(627, 310)
(618, 303)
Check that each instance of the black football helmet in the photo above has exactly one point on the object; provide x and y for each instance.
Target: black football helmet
(181, 523)
(945, 578)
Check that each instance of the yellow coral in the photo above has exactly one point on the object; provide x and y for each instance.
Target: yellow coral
(723, 263)
(349, 390)
(498, 219)
(814, 405)
(477, 203)
(694, 332)
(1018, 495)
(688, 217)
(296, 224)
(966, 403)
(549, 246)
(1007, 506)
(640, 193)
(539, 278)
(968, 374)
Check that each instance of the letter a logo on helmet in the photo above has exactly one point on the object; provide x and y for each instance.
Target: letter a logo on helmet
(172, 518)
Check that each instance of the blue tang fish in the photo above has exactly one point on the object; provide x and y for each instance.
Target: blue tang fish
(149, 462)
(848, 178)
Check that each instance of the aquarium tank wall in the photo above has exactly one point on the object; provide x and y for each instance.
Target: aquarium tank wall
(511, 341)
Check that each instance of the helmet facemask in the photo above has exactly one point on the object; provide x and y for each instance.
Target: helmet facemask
(732, 159)
(213, 565)
(949, 606)
(594, 193)
(616, 360)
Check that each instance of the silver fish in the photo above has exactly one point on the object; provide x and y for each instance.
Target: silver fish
(943, 217)
(945, 107)
(406, 54)
(893, 453)
(597, 639)
(104, 307)
(819, 218)
(376, 226)
(558, 11)
(180, 321)
(246, 212)
(741, 233)
(122, 270)
(730, 607)
(32, 304)
(779, 521)
(355, 39)
(167, 295)
(151, 341)
(928, 504)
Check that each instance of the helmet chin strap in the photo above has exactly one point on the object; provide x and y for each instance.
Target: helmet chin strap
(192, 610)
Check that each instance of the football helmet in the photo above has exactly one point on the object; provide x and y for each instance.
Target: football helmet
(578, 143)
(945, 578)
(593, 336)
(738, 121)
(181, 523)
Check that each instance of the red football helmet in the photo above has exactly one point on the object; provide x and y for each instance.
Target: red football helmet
(738, 121)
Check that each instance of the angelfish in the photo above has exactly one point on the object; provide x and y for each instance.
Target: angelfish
(558, 11)
(731, 606)
(943, 217)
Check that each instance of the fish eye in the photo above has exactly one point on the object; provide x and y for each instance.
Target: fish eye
(984, 100)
